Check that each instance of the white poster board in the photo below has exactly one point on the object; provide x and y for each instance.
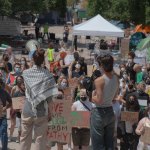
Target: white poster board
(69, 59)
(142, 102)
(140, 60)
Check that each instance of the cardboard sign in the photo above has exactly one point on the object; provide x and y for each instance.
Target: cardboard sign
(73, 82)
(59, 129)
(145, 138)
(142, 102)
(80, 119)
(124, 47)
(18, 102)
(68, 93)
(129, 116)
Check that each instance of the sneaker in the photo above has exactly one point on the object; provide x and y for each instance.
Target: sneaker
(17, 141)
(9, 139)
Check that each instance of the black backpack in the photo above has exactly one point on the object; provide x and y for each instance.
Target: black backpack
(87, 83)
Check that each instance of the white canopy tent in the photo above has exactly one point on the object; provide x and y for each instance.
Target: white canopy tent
(97, 26)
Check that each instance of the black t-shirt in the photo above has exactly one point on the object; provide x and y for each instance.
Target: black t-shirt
(5, 97)
(84, 68)
(10, 68)
(131, 73)
(77, 74)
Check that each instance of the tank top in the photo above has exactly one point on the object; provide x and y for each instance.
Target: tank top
(50, 54)
(109, 91)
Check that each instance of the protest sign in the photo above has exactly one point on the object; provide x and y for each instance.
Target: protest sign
(69, 59)
(18, 102)
(59, 129)
(73, 82)
(140, 60)
(80, 119)
(142, 102)
(69, 93)
(129, 116)
(124, 47)
(146, 136)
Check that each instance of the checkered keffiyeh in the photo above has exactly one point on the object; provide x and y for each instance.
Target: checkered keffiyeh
(40, 85)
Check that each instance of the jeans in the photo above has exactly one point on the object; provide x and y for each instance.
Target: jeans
(102, 128)
(3, 133)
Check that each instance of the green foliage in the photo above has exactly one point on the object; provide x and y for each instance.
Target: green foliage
(5, 7)
(133, 10)
(98, 7)
(8, 7)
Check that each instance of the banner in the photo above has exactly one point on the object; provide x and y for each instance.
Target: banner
(80, 119)
(129, 116)
(18, 102)
(59, 129)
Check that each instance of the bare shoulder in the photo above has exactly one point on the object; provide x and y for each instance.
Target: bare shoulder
(99, 81)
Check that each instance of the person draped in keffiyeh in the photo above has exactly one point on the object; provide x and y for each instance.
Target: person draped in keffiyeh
(40, 85)
(40, 88)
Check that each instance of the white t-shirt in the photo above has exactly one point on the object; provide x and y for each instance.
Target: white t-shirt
(80, 107)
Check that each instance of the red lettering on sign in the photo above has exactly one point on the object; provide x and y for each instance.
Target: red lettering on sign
(58, 108)
(65, 136)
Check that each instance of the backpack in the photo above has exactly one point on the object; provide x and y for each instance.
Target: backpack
(87, 83)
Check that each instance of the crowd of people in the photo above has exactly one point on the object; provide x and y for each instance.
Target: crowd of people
(105, 94)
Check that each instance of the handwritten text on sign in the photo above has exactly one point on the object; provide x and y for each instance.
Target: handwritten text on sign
(129, 116)
(59, 129)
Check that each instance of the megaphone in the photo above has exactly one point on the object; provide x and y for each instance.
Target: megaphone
(32, 45)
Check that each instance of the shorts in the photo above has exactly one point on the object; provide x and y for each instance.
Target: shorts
(81, 137)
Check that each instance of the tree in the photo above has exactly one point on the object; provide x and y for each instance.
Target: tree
(119, 10)
(12, 7)
(61, 5)
(5, 7)
(137, 11)
(84, 4)
(98, 7)
(131, 10)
